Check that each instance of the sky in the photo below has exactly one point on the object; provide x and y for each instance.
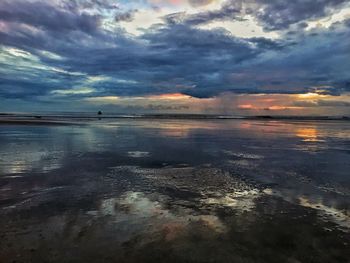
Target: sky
(253, 57)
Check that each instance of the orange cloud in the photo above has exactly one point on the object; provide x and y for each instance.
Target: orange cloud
(246, 106)
(277, 107)
(169, 96)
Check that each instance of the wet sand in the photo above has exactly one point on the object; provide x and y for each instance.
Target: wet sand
(175, 191)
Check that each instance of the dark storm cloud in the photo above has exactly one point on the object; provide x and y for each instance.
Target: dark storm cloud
(228, 11)
(277, 14)
(24, 88)
(168, 58)
(125, 16)
(268, 44)
(47, 16)
(103, 4)
(347, 22)
(273, 15)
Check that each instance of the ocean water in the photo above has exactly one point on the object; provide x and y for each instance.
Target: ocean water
(163, 190)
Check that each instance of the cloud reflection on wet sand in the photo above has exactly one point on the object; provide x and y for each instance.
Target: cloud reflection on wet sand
(176, 191)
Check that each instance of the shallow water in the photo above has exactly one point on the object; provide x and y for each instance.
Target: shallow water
(175, 191)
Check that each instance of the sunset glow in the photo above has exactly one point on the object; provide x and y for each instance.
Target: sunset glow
(170, 96)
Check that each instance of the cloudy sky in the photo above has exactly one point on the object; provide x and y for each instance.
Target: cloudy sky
(184, 56)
